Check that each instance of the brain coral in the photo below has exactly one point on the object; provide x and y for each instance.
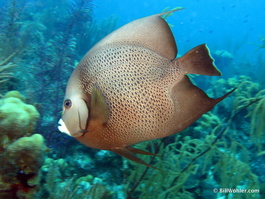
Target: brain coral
(16, 117)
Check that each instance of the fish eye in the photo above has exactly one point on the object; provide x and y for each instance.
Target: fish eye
(67, 103)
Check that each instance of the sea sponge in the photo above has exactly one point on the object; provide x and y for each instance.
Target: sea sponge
(17, 118)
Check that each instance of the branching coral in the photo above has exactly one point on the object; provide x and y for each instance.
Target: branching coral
(182, 164)
(163, 184)
(249, 93)
(208, 121)
(232, 172)
(246, 92)
(258, 124)
(5, 66)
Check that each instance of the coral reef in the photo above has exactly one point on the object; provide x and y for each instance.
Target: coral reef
(20, 163)
(22, 154)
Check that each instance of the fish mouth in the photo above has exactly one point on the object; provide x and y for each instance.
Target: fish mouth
(63, 128)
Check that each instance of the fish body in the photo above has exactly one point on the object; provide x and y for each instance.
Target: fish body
(130, 87)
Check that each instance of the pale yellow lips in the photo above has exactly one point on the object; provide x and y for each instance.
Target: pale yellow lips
(63, 128)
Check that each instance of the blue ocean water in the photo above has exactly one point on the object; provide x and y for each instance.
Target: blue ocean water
(219, 156)
(211, 22)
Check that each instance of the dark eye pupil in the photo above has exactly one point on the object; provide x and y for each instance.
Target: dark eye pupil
(67, 103)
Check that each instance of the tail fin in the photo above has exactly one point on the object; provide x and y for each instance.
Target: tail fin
(198, 61)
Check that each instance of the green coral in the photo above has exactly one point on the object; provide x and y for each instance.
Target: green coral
(17, 118)
(27, 151)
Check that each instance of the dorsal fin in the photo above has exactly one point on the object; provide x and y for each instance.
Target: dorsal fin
(151, 32)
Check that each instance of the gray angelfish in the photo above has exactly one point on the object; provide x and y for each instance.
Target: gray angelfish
(130, 87)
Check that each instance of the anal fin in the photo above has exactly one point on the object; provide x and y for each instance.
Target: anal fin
(139, 151)
(190, 102)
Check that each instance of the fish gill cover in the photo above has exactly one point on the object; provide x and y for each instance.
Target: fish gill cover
(41, 42)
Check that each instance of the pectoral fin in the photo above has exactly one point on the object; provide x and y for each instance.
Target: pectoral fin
(99, 107)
